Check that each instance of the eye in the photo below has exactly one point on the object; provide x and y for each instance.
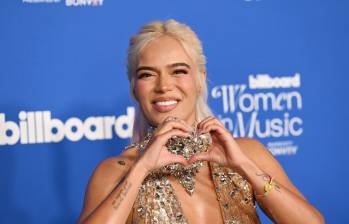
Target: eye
(144, 75)
(180, 71)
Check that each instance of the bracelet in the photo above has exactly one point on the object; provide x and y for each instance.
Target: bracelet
(269, 186)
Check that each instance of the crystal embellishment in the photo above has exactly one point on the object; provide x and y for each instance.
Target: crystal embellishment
(187, 147)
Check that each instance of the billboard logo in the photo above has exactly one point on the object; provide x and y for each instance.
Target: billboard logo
(40, 127)
(264, 81)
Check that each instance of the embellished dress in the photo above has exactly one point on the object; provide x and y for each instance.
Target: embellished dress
(157, 202)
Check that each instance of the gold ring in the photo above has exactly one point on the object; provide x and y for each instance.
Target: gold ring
(171, 119)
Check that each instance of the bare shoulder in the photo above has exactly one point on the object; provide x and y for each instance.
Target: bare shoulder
(112, 167)
(120, 162)
(105, 178)
(260, 155)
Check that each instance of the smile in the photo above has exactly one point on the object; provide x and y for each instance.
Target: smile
(166, 103)
(163, 105)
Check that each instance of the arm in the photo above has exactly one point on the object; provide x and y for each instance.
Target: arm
(112, 189)
(109, 187)
(283, 204)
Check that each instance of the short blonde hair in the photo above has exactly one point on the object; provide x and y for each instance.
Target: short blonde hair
(191, 44)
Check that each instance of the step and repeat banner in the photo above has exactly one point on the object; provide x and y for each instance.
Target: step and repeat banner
(277, 71)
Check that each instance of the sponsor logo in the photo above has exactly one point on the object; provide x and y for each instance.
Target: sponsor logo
(41, 1)
(39, 127)
(83, 2)
(69, 2)
(282, 148)
(265, 107)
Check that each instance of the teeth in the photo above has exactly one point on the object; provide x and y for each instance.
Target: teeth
(166, 103)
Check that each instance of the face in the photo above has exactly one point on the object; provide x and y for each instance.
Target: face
(165, 81)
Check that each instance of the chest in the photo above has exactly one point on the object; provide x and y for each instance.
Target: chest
(225, 197)
(202, 206)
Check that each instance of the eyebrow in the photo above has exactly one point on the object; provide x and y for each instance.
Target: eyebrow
(156, 70)
(180, 64)
(146, 68)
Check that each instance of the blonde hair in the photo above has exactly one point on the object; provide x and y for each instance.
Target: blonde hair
(191, 44)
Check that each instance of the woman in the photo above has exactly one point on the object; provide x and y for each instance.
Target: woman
(167, 72)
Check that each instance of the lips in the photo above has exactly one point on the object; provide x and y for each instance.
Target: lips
(164, 105)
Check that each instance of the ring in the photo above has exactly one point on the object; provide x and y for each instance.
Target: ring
(171, 119)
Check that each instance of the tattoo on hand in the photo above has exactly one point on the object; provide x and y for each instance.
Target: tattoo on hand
(122, 194)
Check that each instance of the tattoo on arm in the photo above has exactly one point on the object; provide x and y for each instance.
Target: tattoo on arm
(121, 195)
(122, 162)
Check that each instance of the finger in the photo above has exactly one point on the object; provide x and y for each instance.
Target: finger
(178, 159)
(204, 156)
(172, 118)
(175, 119)
(164, 137)
(210, 122)
(199, 126)
(220, 131)
(173, 124)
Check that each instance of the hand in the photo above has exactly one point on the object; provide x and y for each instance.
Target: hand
(156, 154)
(224, 150)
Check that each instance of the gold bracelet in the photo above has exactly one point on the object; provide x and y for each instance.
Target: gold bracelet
(269, 186)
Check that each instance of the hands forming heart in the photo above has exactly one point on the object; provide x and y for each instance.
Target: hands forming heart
(173, 148)
(210, 142)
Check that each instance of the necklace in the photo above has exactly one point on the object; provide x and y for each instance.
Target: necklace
(185, 146)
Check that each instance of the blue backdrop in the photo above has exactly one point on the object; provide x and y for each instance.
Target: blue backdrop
(277, 71)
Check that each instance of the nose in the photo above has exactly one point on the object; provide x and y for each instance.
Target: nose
(164, 83)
